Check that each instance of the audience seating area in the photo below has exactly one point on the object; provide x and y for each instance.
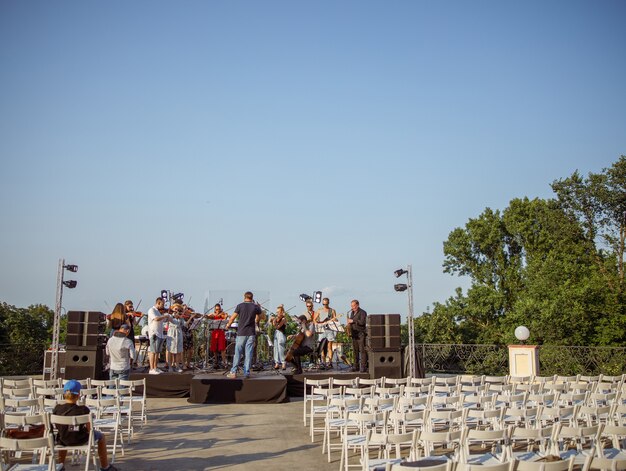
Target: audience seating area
(465, 423)
(118, 410)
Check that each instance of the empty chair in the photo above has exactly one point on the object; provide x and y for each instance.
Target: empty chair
(557, 415)
(612, 442)
(356, 432)
(444, 420)
(481, 419)
(572, 441)
(319, 405)
(506, 466)
(494, 446)
(138, 396)
(446, 465)
(392, 448)
(309, 384)
(529, 443)
(563, 465)
(589, 415)
(412, 403)
(594, 462)
(440, 443)
(337, 419)
(520, 417)
(42, 447)
(471, 380)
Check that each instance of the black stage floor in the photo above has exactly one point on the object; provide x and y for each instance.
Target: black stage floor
(214, 387)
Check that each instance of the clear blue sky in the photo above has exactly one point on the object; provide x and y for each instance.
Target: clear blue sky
(285, 146)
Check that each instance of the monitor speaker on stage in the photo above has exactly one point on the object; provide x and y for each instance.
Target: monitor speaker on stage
(82, 364)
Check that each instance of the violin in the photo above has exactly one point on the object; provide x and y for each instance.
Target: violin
(135, 314)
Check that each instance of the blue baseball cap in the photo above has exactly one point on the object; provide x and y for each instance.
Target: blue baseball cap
(72, 386)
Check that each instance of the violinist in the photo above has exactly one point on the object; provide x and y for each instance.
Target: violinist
(174, 339)
(130, 319)
(117, 317)
(188, 315)
(156, 315)
(218, 336)
(279, 322)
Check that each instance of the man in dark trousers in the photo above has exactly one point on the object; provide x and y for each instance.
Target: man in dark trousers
(248, 313)
(358, 322)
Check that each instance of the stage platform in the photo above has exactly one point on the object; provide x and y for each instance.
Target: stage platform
(215, 387)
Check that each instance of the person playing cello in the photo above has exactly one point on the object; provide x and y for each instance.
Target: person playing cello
(306, 339)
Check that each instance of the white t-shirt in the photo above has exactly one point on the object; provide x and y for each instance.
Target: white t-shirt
(154, 327)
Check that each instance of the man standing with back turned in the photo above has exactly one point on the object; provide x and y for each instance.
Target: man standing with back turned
(248, 312)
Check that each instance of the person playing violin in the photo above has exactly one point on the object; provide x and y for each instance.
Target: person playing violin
(188, 315)
(218, 336)
(156, 315)
(279, 322)
(130, 319)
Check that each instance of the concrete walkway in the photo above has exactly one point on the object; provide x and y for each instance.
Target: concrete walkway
(183, 436)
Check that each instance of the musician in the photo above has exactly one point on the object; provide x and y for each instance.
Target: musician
(174, 339)
(218, 336)
(129, 310)
(358, 321)
(307, 334)
(189, 317)
(324, 316)
(279, 322)
(248, 313)
(117, 317)
(309, 313)
(155, 333)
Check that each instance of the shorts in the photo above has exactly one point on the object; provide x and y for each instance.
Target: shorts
(218, 340)
(156, 344)
(329, 335)
(97, 436)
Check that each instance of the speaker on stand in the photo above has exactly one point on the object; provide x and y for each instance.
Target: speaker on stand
(85, 345)
(384, 349)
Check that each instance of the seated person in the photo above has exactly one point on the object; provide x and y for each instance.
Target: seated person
(307, 331)
(68, 437)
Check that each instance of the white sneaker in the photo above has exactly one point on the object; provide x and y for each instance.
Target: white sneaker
(179, 370)
(155, 372)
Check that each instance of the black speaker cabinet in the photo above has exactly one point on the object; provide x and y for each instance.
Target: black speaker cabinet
(82, 364)
(383, 332)
(385, 363)
(85, 329)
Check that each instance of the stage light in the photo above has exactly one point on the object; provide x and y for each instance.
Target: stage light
(164, 294)
(400, 287)
(72, 268)
(317, 297)
(178, 296)
(304, 298)
(399, 273)
(70, 284)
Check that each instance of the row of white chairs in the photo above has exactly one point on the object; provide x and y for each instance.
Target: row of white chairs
(363, 433)
(104, 416)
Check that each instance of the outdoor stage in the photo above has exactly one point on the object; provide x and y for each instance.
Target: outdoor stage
(215, 387)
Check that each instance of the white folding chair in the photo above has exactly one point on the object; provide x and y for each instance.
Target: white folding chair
(12, 448)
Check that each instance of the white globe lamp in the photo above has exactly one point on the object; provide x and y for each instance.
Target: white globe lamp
(522, 333)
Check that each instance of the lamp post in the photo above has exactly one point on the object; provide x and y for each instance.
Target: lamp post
(408, 287)
(56, 331)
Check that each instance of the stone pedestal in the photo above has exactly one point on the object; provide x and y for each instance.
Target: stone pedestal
(524, 360)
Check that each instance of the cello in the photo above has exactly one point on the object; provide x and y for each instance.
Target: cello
(296, 343)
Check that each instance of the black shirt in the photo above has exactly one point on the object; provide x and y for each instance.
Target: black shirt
(66, 436)
(359, 325)
(246, 313)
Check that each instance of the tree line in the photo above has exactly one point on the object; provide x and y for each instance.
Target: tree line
(554, 265)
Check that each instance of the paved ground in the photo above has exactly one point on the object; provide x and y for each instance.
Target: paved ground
(183, 436)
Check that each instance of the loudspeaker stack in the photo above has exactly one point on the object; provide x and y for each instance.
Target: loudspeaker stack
(383, 340)
(85, 344)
